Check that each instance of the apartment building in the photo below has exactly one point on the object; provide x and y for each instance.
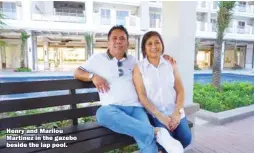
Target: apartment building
(57, 30)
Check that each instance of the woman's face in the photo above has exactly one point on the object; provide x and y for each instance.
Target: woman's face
(153, 47)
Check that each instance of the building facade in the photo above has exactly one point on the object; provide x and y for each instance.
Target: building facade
(57, 30)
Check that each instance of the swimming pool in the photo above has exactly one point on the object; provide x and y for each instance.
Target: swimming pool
(225, 77)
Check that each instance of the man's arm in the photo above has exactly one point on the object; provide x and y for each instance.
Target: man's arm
(100, 83)
(82, 75)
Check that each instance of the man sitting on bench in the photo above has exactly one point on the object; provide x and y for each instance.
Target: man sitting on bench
(111, 73)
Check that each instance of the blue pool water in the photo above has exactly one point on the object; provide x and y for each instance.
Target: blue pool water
(225, 77)
(198, 78)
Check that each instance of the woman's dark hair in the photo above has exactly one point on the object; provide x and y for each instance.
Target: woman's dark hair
(147, 36)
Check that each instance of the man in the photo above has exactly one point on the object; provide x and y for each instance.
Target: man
(111, 73)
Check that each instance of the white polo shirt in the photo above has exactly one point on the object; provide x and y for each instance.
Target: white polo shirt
(122, 90)
(159, 85)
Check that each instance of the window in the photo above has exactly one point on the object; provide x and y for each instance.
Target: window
(121, 17)
(105, 16)
(215, 5)
(9, 10)
(241, 24)
(203, 4)
(155, 20)
(242, 4)
(214, 25)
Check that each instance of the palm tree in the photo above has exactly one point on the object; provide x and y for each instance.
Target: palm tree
(223, 20)
(89, 44)
(2, 24)
(197, 45)
(23, 38)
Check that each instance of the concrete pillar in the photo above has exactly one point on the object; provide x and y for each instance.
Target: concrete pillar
(26, 10)
(138, 48)
(180, 40)
(249, 56)
(18, 10)
(209, 14)
(46, 55)
(180, 43)
(89, 12)
(222, 55)
(144, 15)
(32, 51)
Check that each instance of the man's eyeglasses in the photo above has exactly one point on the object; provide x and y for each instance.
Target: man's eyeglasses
(121, 72)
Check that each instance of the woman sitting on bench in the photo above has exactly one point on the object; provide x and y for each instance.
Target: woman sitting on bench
(160, 90)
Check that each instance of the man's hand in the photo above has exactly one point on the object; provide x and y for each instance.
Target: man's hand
(175, 120)
(100, 83)
(170, 59)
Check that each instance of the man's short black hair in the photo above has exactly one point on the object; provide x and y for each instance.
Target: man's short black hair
(117, 27)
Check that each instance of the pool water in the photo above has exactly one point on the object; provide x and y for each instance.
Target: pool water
(225, 77)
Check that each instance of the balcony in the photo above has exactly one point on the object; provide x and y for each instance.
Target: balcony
(244, 9)
(202, 5)
(130, 22)
(62, 15)
(201, 26)
(9, 13)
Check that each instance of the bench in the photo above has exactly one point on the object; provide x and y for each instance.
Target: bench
(91, 137)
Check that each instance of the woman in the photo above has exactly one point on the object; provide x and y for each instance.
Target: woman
(160, 90)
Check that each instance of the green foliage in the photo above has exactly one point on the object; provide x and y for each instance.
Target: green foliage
(24, 36)
(196, 67)
(224, 15)
(89, 41)
(233, 95)
(2, 24)
(127, 149)
(23, 69)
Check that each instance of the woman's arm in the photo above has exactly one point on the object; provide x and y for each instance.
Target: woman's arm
(179, 89)
(141, 92)
(176, 116)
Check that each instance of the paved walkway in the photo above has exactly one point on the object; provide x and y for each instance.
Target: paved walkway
(235, 137)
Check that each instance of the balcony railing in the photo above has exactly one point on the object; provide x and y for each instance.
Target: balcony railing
(244, 9)
(211, 27)
(201, 4)
(129, 21)
(9, 13)
(62, 15)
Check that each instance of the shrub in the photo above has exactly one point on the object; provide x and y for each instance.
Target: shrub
(196, 67)
(233, 95)
(23, 69)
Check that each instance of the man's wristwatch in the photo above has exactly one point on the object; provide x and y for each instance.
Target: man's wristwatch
(91, 75)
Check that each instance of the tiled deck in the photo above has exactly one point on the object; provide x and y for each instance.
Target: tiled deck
(236, 137)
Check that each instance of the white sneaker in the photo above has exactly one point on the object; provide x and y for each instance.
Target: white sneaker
(168, 142)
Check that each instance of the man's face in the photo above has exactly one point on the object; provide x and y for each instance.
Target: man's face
(118, 42)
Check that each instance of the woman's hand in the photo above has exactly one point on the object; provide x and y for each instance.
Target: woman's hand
(175, 120)
(165, 120)
(170, 59)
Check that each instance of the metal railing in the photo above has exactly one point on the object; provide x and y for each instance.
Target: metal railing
(62, 15)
